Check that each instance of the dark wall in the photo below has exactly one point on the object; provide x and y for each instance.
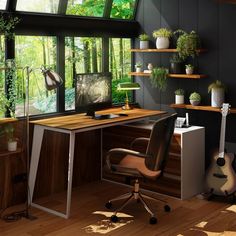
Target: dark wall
(216, 25)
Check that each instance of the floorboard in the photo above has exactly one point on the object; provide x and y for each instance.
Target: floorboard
(192, 217)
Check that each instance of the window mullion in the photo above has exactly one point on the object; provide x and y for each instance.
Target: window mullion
(11, 5)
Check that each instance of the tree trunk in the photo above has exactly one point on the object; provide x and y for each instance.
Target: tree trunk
(73, 61)
(44, 57)
(121, 66)
(86, 57)
(94, 56)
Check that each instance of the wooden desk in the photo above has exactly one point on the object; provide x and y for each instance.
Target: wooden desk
(71, 125)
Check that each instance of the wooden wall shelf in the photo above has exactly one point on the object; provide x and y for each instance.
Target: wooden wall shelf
(7, 120)
(179, 76)
(201, 108)
(171, 50)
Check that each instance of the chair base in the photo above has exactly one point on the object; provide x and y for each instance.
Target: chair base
(139, 197)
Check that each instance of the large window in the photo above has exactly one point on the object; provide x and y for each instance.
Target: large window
(46, 6)
(86, 7)
(120, 66)
(3, 4)
(2, 71)
(83, 55)
(35, 51)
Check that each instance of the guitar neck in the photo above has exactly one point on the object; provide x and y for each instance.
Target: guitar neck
(222, 137)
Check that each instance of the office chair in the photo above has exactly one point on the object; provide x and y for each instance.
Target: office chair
(149, 165)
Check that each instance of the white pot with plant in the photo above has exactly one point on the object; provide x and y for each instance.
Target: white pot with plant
(179, 96)
(189, 69)
(11, 140)
(162, 36)
(217, 90)
(144, 41)
(138, 67)
(195, 98)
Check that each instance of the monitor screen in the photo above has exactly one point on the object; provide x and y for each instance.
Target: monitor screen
(93, 91)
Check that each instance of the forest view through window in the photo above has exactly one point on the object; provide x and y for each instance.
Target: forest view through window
(35, 51)
(2, 74)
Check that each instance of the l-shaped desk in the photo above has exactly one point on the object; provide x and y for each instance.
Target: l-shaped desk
(72, 124)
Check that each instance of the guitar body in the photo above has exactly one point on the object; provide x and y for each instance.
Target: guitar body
(221, 180)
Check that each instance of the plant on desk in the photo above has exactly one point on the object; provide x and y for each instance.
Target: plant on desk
(11, 140)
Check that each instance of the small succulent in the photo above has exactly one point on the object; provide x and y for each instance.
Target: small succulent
(138, 64)
(143, 37)
(189, 66)
(162, 32)
(195, 96)
(179, 92)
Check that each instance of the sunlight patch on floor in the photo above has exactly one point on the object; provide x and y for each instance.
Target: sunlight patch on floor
(201, 224)
(232, 208)
(106, 226)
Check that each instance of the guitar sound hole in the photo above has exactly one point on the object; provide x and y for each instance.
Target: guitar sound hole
(220, 161)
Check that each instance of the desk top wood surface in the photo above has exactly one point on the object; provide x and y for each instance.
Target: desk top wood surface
(81, 121)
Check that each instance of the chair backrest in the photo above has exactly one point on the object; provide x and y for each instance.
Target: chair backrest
(158, 146)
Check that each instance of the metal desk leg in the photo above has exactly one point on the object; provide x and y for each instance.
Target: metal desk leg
(36, 148)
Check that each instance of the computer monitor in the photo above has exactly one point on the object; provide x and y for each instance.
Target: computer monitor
(93, 92)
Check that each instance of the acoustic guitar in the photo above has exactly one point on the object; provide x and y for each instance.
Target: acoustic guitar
(221, 177)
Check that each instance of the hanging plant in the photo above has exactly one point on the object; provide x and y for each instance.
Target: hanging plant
(159, 78)
(7, 26)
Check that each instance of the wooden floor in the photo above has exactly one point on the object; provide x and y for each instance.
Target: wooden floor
(90, 217)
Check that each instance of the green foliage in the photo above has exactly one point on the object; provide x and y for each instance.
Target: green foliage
(4, 103)
(195, 96)
(138, 64)
(143, 37)
(9, 131)
(187, 44)
(176, 58)
(179, 92)
(216, 85)
(159, 78)
(162, 32)
(123, 9)
(7, 25)
(189, 66)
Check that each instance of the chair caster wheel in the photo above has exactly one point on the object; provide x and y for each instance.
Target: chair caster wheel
(167, 208)
(114, 218)
(153, 220)
(108, 205)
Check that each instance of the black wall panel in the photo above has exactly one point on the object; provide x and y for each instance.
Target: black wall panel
(216, 25)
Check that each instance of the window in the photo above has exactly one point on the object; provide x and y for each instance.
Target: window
(86, 7)
(123, 9)
(2, 71)
(120, 66)
(45, 6)
(35, 51)
(3, 4)
(83, 55)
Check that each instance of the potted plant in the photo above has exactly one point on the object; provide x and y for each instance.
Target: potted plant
(187, 44)
(138, 66)
(11, 140)
(195, 98)
(7, 26)
(189, 69)
(179, 96)
(217, 90)
(159, 78)
(162, 37)
(176, 64)
(144, 41)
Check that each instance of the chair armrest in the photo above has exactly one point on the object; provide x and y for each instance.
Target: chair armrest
(122, 151)
(142, 140)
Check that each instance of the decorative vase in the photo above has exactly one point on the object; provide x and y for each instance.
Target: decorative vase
(189, 71)
(12, 146)
(175, 68)
(150, 66)
(179, 99)
(217, 97)
(143, 44)
(194, 103)
(138, 69)
(162, 42)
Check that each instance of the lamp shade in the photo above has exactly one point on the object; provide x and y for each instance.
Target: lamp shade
(128, 86)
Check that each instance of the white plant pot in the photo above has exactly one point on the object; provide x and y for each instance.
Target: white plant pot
(189, 71)
(217, 97)
(12, 146)
(138, 69)
(144, 44)
(179, 99)
(162, 42)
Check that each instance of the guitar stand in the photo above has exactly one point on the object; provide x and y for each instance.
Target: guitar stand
(231, 198)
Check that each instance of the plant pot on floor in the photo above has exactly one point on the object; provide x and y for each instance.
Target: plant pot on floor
(217, 97)
(11, 146)
(179, 99)
(144, 44)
